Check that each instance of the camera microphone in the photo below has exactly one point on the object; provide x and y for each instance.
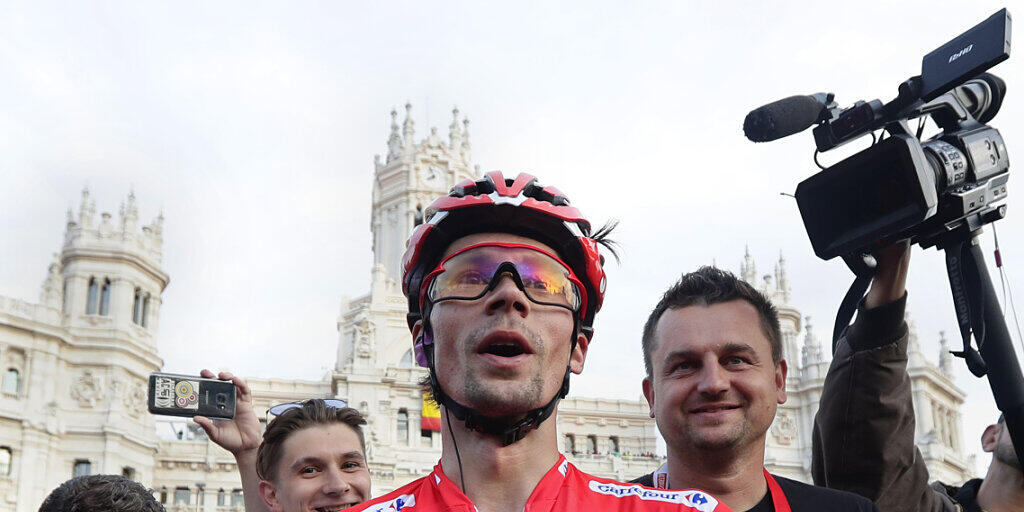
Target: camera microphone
(784, 117)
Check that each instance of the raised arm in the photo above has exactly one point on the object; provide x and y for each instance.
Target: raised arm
(863, 439)
(241, 436)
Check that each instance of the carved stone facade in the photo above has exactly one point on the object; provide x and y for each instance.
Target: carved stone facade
(74, 388)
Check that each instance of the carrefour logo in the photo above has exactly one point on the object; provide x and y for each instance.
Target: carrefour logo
(696, 499)
(400, 503)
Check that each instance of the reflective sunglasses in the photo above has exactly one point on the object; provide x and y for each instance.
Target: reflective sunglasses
(280, 408)
(470, 273)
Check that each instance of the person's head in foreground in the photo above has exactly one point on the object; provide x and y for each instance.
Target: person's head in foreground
(503, 280)
(313, 459)
(715, 373)
(996, 440)
(101, 493)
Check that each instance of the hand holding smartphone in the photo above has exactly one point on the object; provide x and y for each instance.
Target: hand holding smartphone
(186, 395)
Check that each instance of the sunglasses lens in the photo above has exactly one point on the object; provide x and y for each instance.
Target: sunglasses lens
(280, 408)
(467, 275)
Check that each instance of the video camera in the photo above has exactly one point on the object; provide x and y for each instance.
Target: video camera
(903, 187)
(939, 192)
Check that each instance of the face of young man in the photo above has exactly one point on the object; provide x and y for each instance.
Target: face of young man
(322, 469)
(466, 333)
(713, 384)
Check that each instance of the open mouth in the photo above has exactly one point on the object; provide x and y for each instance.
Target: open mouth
(333, 508)
(504, 344)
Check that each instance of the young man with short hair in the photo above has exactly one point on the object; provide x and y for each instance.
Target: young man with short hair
(715, 377)
(311, 457)
(504, 279)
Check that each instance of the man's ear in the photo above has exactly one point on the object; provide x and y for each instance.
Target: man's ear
(269, 494)
(579, 354)
(780, 381)
(990, 437)
(649, 393)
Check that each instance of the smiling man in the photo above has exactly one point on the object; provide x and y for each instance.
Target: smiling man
(503, 279)
(312, 459)
(715, 377)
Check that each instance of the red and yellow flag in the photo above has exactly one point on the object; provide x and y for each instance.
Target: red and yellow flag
(431, 418)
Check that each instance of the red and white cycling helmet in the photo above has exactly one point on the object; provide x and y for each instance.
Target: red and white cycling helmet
(496, 204)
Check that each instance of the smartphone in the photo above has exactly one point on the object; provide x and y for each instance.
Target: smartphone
(187, 395)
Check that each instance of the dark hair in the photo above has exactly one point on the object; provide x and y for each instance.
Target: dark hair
(101, 493)
(313, 412)
(707, 286)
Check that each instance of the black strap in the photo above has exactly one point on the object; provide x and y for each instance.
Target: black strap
(863, 266)
(968, 302)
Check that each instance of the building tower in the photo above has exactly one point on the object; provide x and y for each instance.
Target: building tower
(76, 364)
(411, 177)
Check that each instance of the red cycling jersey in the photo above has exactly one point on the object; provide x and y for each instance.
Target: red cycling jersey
(564, 488)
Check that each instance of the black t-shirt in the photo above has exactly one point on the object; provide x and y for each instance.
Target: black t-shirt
(802, 497)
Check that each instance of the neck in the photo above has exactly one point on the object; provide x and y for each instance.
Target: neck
(1003, 489)
(496, 477)
(734, 476)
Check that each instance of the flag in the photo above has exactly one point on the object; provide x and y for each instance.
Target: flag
(431, 418)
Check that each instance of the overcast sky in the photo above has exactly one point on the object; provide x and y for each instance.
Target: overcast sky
(253, 127)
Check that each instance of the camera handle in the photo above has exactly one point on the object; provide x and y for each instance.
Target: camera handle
(977, 310)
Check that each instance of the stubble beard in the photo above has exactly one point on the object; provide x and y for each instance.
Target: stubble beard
(507, 397)
(732, 438)
(1004, 453)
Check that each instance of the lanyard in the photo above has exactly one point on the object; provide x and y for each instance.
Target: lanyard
(660, 480)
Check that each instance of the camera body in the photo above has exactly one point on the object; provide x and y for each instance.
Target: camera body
(903, 187)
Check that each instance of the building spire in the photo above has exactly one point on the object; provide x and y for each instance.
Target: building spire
(408, 126)
(454, 133)
(129, 213)
(781, 282)
(86, 210)
(748, 271)
(812, 348)
(465, 139)
(945, 359)
(394, 139)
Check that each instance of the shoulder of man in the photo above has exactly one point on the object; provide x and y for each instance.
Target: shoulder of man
(647, 480)
(598, 494)
(964, 496)
(806, 497)
(405, 496)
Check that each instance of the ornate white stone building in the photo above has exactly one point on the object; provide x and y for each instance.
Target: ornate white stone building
(74, 365)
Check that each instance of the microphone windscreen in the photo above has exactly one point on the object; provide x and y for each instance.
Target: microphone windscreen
(781, 118)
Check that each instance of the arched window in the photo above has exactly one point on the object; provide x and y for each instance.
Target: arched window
(613, 444)
(403, 426)
(12, 381)
(182, 495)
(222, 498)
(94, 297)
(145, 311)
(5, 461)
(418, 219)
(408, 360)
(128, 472)
(137, 307)
(82, 468)
(105, 298)
(591, 444)
(569, 444)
